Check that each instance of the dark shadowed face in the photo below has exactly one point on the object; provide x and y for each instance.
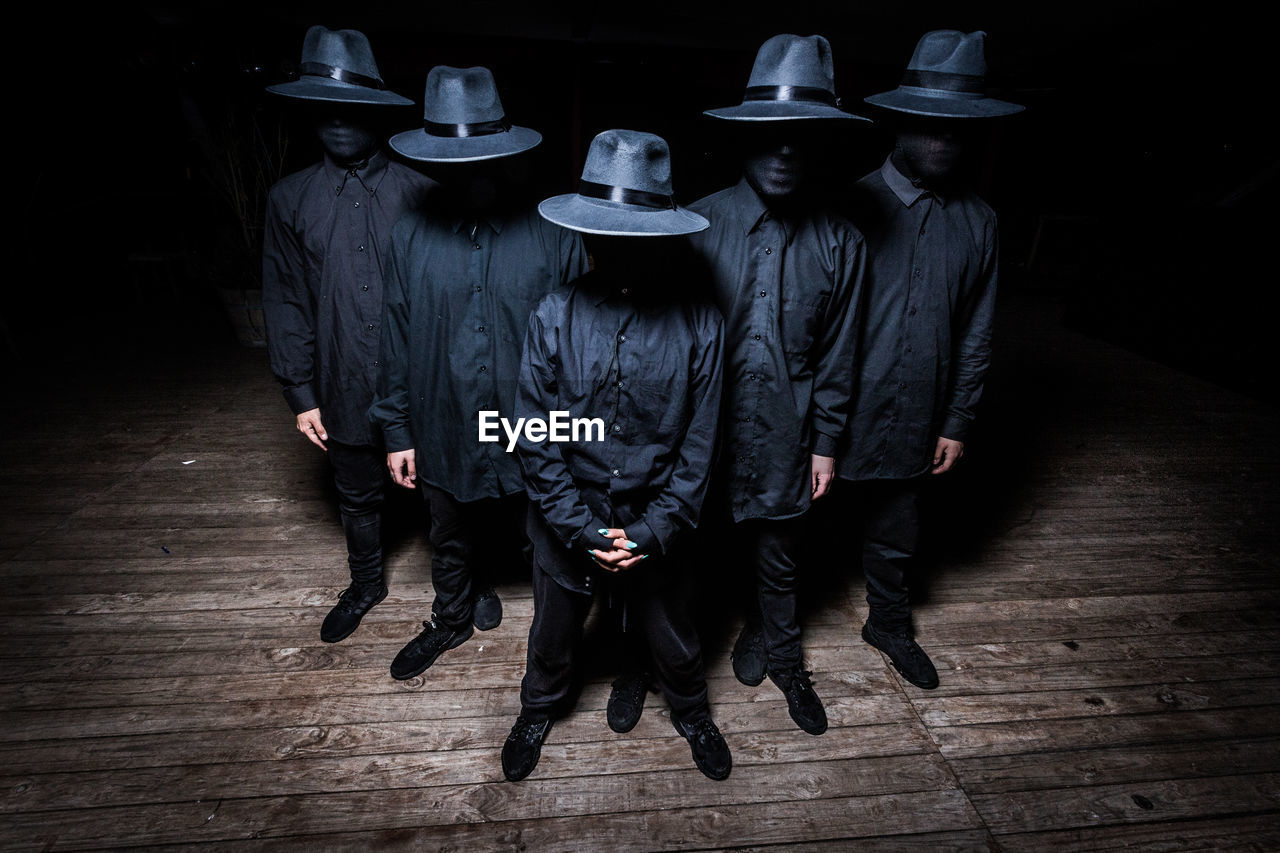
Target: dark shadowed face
(776, 168)
(348, 135)
(931, 151)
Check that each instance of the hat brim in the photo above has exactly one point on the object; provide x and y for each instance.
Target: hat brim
(337, 92)
(425, 148)
(598, 216)
(941, 106)
(781, 111)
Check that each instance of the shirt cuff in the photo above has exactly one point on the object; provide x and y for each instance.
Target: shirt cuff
(824, 445)
(589, 537)
(301, 398)
(397, 438)
(646, 540)
(956, 429)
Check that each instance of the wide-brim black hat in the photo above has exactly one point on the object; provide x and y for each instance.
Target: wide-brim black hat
(463, 121)
(946, 78)
(338, 67)
(625, 191)
(793, 78)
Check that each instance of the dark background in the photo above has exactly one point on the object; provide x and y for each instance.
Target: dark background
(1136, 188)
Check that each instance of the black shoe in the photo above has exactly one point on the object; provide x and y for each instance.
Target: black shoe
(749, 657)
(355, 601)
(710, 752)
(523, 748)
(423, 649)
(626, 701)
(486, 609)
(802, 702)
(905, 654)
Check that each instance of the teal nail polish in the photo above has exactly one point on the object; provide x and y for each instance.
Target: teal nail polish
(644, 556)
(630, 544)
(603, 531)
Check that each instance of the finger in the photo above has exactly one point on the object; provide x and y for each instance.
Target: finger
(624, 544)
(411, 469)
(318, 426)
(614, 533)
(631, 561)
(824, 485)
(948, 461)
(310, 432)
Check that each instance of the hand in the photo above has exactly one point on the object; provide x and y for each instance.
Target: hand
(621, 556)
(403, 467)
(822, 471)
(947, 454)
(310, 426)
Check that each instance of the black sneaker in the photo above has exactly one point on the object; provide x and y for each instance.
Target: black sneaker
(905, 654)
(802, 701)
(486, 609)
(749, 657)
(523, 748)
(626, 701)
(423, 649)
(710, 752)
(355, 601)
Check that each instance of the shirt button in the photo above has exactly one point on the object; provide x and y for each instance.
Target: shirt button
(357, 204)
(475, 246)
(908, 347)
(370, 325)
(757, 337)
(626, 290)
(615, 472)
(622, 338)
(762, 293)
(902, 386)
(768, 251)
(619, 383)
(364, 287)
(479, 328)
(483, 368)
(477, 288)
(360, 248)
(893, 420)
(912, 311)
(916, 271)
(617, 428)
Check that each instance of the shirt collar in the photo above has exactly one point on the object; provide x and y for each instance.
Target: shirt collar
(907, 192)
(369, 174)
(753, 210)
(493, 220)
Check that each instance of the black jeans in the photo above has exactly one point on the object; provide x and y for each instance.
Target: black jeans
(889, 512)
(360, 475)
(462, 536)
(773, 548)
(657, 593)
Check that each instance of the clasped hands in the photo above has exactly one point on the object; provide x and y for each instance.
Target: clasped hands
(621, 556)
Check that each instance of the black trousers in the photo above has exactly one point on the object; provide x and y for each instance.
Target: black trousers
(657, 603)
(461, 535)
(773, 549)
(360, 475)
(889, 512)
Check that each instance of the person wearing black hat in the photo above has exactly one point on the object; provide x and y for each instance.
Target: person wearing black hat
(787, 275)
(462, 278)
(931, 286)
(636, 343)
(326, 229)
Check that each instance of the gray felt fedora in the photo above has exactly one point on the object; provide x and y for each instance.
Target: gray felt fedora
(463, 121)
(946, 78)
(337, 67)
(625, 191)
(793, 78)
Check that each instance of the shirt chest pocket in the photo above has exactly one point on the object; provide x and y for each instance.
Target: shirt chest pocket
(802, 318)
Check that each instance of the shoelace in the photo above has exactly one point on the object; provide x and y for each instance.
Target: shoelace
(349, 600)
(800, 682)
(703, 730)
(527, 730)
(634, 690)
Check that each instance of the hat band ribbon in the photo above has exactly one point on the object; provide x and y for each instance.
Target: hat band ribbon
(462, 131)
(972, 84)
(319, 69)
(623, 195)
(790, 93)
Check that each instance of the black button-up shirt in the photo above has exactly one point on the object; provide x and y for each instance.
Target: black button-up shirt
(789, 290)
(647, 360)
(457, 304)
(925, 340)
(323, 254)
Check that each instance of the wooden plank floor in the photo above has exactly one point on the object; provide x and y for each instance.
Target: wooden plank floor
(1102, 608)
